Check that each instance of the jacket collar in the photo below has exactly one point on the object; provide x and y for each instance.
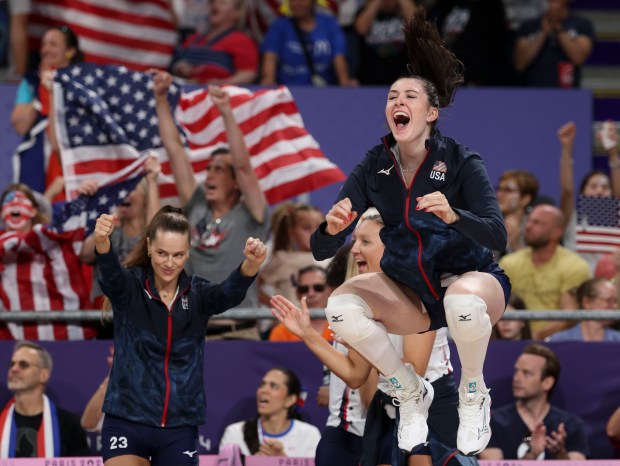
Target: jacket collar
(151, 289)
(435, 142)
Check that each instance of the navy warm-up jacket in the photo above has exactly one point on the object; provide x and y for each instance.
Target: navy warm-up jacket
(157, 375)
(419, 246)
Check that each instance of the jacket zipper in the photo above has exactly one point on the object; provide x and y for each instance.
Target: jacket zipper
(166, 374)
(167, 357)
(407, 207)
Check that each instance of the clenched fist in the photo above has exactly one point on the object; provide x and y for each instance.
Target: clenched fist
(103, 230)
(255, 253)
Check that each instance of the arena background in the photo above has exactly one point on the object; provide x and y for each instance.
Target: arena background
(588, 383)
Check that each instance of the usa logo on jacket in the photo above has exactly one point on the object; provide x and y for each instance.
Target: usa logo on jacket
(439, 171)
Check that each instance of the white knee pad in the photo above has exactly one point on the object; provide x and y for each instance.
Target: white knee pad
(467, 317)
(350, 317)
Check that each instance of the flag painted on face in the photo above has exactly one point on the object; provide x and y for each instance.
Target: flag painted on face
(106, 120)
(598, 224)
(138, 34)
(287, 159)
(40, 271)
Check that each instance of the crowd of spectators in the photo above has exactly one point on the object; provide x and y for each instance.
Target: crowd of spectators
(310, 42)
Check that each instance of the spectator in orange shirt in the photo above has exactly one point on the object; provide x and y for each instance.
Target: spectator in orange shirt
(311, 284)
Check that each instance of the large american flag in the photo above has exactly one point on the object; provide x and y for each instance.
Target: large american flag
(40, 271)
(598, 224)
(136, 33)
(106, 120)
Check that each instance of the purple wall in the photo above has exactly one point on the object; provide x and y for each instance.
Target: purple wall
(511, 128)
(589, 384)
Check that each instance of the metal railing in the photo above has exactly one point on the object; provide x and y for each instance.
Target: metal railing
(252, 313)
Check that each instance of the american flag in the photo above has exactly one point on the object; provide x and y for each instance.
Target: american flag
(139, 34)
(82, 213)
(31, 156)
(106, 120)
(440, 166)
(286, 158)
(598, 224)
(40, 271)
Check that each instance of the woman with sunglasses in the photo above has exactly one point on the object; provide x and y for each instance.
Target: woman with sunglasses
(312, 287)
(442, 222)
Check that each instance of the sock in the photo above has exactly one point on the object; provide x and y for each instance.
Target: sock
(378, 350)
(472, 355)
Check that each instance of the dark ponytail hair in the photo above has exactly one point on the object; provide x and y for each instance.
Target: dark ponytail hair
(168, 219)
(430, 61)
(250, 427)
(72, 43)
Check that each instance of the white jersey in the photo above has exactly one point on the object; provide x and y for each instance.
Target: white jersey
(346, 410)
(438, 364)
(299, 440)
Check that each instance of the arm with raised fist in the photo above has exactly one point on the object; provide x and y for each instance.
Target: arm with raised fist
(103, 229)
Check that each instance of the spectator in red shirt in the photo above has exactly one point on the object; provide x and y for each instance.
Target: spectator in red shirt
(222, 55)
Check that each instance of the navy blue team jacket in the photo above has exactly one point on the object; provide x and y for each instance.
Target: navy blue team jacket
(157, 375)
(419, 246)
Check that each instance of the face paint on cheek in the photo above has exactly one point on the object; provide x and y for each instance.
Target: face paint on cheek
(17, 210)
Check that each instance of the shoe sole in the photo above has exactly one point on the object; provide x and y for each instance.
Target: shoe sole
(471, 454)
(415, 449)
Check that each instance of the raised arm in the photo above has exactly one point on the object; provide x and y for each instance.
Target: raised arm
(101, 235)
(351, 368)
(252, 194)
(180, 164)
(367, 16)
(152, 167)
(566, 136)
(609, 138)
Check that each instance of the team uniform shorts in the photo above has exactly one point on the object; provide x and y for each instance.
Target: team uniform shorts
(162, 446)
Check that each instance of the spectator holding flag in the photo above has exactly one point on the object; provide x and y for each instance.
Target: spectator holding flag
(59, 49)
(598, 192)
(134, 212)
(155, 398)
(40, 269)
(224, 210)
